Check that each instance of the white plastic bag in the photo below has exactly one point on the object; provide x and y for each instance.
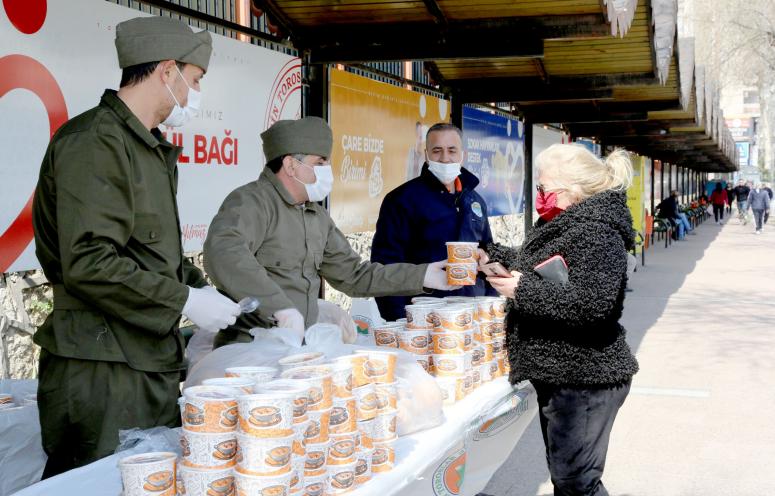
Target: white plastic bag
(331, 313)
(22, 458)
(420, 401)
(200, 344)
(366, 315)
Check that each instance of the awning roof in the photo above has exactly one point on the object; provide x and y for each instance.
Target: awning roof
(608, 69)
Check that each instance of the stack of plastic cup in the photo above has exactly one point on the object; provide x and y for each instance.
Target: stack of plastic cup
(461, 263)
(319, 380)
(415, 338)
(343, 428)
(451, 350)
(154, 473)
(386, 335)
(208, 439)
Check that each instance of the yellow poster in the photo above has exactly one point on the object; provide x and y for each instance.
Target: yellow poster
(379, 132)
(635, 193)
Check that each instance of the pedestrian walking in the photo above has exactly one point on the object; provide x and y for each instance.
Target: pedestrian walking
(769, 192)
(759, 203)
(566, 337)
(741, 196)
(730, 198)
(718, 199)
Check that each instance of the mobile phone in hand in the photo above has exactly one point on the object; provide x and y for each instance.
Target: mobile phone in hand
(495, 269)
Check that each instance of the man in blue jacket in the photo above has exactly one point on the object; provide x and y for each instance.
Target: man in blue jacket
(420, 216)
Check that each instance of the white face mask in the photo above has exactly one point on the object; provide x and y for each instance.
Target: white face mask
(446, 173)
(180, 115)
(324, 182)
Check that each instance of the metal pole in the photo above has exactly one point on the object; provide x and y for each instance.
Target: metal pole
(528, 193)
(662, 181)
(652, 187)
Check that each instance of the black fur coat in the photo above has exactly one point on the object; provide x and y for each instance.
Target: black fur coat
(570, 334)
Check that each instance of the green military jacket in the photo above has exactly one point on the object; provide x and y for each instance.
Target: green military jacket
(107, 235)
(262, 244)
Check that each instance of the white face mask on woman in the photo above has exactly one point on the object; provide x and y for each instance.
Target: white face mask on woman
(324, 181)
(180, 115)
(446, 173)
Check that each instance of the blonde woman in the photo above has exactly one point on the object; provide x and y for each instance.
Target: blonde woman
(565, 337)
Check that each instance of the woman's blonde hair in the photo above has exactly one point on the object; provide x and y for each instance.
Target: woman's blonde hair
(583, 174)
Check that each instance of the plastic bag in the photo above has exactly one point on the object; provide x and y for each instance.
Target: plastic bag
(22, 458)
(200, 344)
(331, 313)
(153, 439)
(366, 315)
(420, 401)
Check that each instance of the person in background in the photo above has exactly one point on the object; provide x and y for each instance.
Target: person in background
(730, 197)
(272, 240)
(107, 235)
(769, 192)
(719, 200)
(420, 216)
(566, 337)
(759, 202)
(741, 196)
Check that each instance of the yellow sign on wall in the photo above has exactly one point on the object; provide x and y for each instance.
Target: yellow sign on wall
(635, 193)
(379, 132)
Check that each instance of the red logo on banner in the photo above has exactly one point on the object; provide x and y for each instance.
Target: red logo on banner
(27, 16)
(287, 82)
(22, 72)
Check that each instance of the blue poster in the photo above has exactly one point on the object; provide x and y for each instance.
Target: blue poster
(495, 153)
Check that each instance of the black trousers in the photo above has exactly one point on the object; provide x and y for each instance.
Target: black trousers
(576, 425)
(84, 403)
(718, 211)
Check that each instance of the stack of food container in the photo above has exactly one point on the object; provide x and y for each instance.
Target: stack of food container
(318, 379)
(208, 440)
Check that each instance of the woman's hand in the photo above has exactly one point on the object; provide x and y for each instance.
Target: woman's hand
(506, 286)
(482, 256)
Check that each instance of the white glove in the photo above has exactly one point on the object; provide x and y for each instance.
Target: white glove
(209, 309)
(290, 318)
(436, 277)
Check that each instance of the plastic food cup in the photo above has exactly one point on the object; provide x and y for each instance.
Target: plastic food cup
(297, 469)
(494, 369)
(502, 359)
(385, 426)
(149, 473)
(477, 355)
(485, 311)
(208, 450)
(462, 252)
(341, 449)
(383, 459)
(452, 389)
(299, 438)
(380, 365)
(363, 465)
(461, 274)
(449, 365)
(320, 384)
(366, 430)
(456, 318)
(419, 300)
(315, 461)
(356, 362)
(343, 416)
(476, 375)
(387, 397)
(386, 335)
(318, 430)
(414, 341)
(266, 414)
(206, 482)
(210, 408)
(447, 343)
(342, 378)
(270, 485)
(366, 401)
(300, 392)
(259, 374)
(316, 485)
(341, 478)
(499, 307)
(498, 346)
(264, 456)
(422, 316)
(6, 399)
(244, 384)
(301, 359)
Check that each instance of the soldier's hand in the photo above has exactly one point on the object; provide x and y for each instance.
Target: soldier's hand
(292, 319)
(209, 309)
(436, 277)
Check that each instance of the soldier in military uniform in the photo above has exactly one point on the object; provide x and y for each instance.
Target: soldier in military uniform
(108, 238)
(271, 239)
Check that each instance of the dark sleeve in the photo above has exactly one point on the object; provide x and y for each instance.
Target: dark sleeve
(596, 270)
(94, 228)
(505, 255)
(192, 276)
(389, 245)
